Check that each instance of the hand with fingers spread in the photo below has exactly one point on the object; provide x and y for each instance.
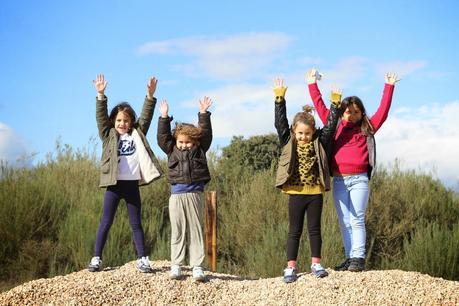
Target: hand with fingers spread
(391, 78)
(204, 105)
(151, 87)
(335, 95)
(313, 76)
(164, 109)
(100, 84)
(279, 89)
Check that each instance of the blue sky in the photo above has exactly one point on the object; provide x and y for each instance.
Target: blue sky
(50, 51)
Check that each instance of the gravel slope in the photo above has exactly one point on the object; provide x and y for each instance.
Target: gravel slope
(125, 286)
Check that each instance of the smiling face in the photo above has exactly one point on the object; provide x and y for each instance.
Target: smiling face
(123, 123)
(303, 133)
(184, 142)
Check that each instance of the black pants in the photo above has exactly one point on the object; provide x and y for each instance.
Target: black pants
(298, 206)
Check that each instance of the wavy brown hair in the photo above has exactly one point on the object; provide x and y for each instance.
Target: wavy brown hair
(187, 129)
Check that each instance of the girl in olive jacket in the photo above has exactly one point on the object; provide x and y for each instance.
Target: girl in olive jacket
(304, 175)
(127, 162)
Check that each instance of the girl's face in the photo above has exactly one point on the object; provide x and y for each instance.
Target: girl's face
(303, 133)
(122, 123)
(184, 142)
(352, 114)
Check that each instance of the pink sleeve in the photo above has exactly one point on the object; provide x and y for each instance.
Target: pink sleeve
(319, 104)
(383, 110)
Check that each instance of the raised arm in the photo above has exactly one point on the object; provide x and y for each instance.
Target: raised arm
(280, 111)
(165, 139)
(103, 121)
(311, 78)
(148, 106)
(383, 110)
(328, 131)
(204, 123)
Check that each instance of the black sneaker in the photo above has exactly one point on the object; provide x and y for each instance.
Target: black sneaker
(357, 264)
(343, 266)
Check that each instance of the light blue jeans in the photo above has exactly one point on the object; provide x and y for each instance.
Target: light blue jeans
(350, 194)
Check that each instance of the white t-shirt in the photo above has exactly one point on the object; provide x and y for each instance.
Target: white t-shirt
(128, 159)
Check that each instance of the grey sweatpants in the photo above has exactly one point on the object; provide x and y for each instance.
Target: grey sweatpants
(186, 213)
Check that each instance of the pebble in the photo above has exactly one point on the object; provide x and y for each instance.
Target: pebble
(126, 286)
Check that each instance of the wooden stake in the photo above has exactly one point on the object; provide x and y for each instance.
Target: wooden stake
(211, 229)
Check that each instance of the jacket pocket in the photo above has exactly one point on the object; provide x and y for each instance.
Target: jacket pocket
(105, 165)
(174, 169)
(199, 168)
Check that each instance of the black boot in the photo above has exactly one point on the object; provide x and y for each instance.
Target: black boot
(356, 264)
(343, 266)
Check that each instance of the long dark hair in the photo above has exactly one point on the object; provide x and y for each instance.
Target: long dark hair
(365, 124)
(125, 108)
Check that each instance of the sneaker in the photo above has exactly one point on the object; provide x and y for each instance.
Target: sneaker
(343, 266)
(198, 274)
(290, 275)
(356, 264)
(318, 271)
(176, 272)
(95, 264)
(143, 265)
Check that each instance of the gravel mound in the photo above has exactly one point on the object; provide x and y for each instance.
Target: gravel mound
(126, 286)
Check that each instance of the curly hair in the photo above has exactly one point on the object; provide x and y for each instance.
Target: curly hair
(187, 129)
(304, 117)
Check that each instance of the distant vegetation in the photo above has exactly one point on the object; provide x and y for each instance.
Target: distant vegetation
(49, 216)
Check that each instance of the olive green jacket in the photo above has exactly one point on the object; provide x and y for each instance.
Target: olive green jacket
(323, 140)
(150, 169)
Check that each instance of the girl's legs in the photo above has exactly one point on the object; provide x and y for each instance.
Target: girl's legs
(351, 195)
(342, 205)
(314, 217)
(178, 229)
(359, 194)
(133, 203)
(195, 238)
(296, 211)
(111, 201)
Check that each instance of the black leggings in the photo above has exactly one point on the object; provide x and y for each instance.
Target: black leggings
(298, 206)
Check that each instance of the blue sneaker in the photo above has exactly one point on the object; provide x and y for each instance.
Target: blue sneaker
(318, 271)
(290, 275)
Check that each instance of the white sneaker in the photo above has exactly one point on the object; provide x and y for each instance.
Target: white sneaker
(176, 272)
(95, 264)
(143, 265)
(198, 274)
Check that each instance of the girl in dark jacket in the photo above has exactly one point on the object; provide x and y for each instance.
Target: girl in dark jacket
(186, 148)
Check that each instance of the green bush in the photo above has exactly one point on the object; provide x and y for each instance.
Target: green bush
(49, 216)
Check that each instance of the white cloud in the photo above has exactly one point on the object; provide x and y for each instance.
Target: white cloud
(238, 56)
(424, 139)
(12, 147)
(401, 68)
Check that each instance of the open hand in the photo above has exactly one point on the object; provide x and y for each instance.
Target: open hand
(279, 88)
(151, 86)
(391, 78)
(164, 109)
(100, 84)
(335, 95)
(204, 104)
